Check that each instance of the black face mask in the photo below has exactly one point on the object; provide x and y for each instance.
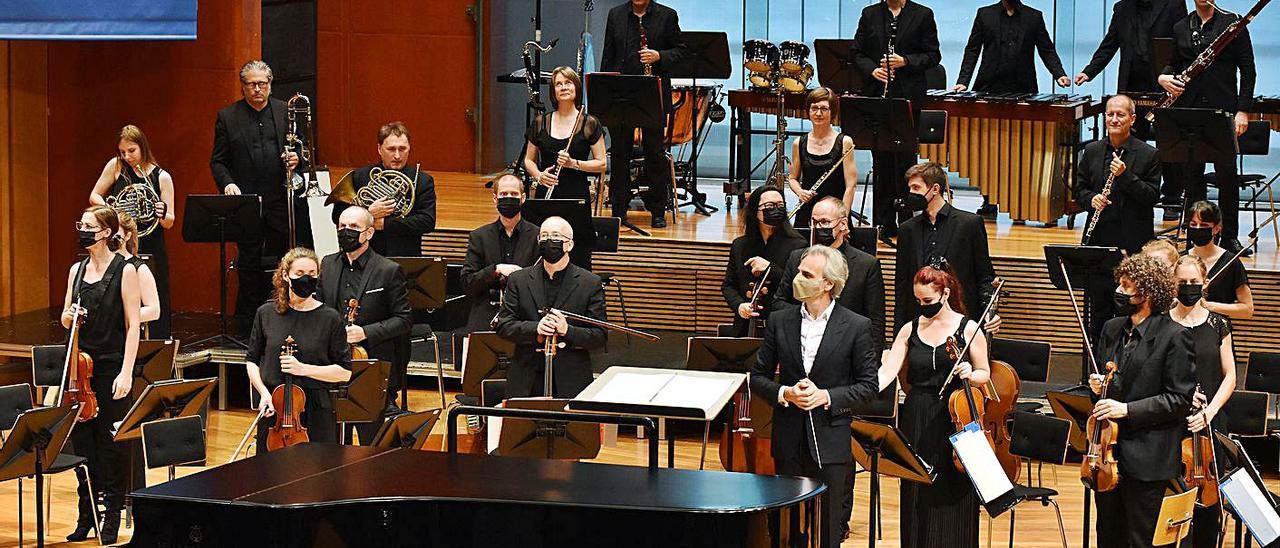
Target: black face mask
(931, 310)
(304, 286)
(348, 239)
(824, 236)
(1123, 306)
(86, 238)
(508, 206)
(1200, 236)
(552, 250)
(915, 202)
(775, 217)
(1190, 294)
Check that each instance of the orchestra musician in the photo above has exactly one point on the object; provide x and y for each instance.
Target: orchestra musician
(946, 512)
(1229, 294)
(1126, 218)
(106, 286)
(530, 312)
(249, 158)
(1214, 88)
(149, 308)
(809, 163)
(497, 250)
(396, 236)
(1149, 399)
(322, 358)
(911, 29)
(1006, 34)
(767, 241)
(551, 132)
(135, 164)
(1162, 249)
(376, 283)
(1134, 25)
(942, 231)
(826, 365)
(629, 26)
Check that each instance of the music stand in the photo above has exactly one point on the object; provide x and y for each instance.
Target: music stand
(1075, 408)
(424, 279)
(627, 101)
(220, 218)
(363, 398)
(1194, 135)
(164, 400)
(1066, 262)
(879, 124)
(409, 431)
(873, 442)
(723, 355)
(488, 357)
(836, 67)
(154, 363)
(707, 57)
(37, 438)
(536, 438)
(577, 212)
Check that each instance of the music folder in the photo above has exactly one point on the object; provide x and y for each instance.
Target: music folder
(1251, 504)
(980, 464)
(664, 393)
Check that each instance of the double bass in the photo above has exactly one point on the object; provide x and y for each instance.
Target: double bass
(750, 451)
(77, 369)
(289, 401)
(1099, 469)
(1199, 462)
(1004, 387)
(353, 309)
(966, 403)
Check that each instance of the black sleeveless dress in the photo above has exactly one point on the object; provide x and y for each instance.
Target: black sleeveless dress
(153, 245)
(573, 183)
(812, 167)
(944, 514)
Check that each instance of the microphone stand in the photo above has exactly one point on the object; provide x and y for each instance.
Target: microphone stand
(552, 343)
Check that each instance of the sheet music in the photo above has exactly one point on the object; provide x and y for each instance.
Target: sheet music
(697, 392)
(1252, 506)
(633, 388)
(980, 463)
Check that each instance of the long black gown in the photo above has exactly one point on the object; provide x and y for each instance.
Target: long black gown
(153, 245)
(812, 168)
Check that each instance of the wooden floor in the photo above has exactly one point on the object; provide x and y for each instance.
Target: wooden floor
(1036, 526)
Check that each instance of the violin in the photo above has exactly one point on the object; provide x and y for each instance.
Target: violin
(966, 403)
(1098, 469)
(353, 309)
(289, 401)
(1004, 385)
(77, 369)
(755, 292)
(1199, 463)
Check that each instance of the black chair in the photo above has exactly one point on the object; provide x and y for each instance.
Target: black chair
(1256, 141)
(1262, 373)
(173, 442)
(1041, 438)
(1030, 359)
(1246, 414)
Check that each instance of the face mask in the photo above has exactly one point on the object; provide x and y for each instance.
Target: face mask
(1200, 236)
(508, 206)
(552, 250)
(775, 216)
(824, 236)
(1123, 306)
(803, 288)
(304, 286)
(931, 310)
(349, 239)
(86, 238)
(1190, 294)
(915, 202)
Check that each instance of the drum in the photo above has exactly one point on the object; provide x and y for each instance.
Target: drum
(762, 79)
(796, 80)
(794, 55)
(759, 55)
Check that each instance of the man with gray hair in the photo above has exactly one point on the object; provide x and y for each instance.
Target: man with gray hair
(249, 158)
(826, 366)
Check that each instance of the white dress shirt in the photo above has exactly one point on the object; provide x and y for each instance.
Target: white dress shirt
(811, 330)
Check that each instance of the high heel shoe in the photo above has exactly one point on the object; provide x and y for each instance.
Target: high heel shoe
(110, 527)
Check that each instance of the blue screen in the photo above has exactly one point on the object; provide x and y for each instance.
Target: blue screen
(98, 19)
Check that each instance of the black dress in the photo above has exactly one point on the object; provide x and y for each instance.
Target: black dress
(812, 167)
(944, 514)
(1206, 343)
(573, 183)
(1223, 289)
(153, 245)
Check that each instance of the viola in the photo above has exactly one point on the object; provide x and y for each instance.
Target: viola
(289, 401)
(1199, 464)
(77, 369)
(353, 309)
(1005, 385)
(1098, 469)
(757, 290)
(965, 404)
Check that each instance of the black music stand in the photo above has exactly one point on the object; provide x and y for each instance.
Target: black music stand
(625, 100)
(576, 211)
(154, 363)
(879, 124)
(220, 218)
(1194, 135)
(550, 439)
(1068, 262)
(836, 67)
(707, 58)
(164, 400)
(409, 431)
(362, 399)
(37, 438)
(1075, 408)
(873, 442)
(488, 357)
(424, 279)
(723, 355)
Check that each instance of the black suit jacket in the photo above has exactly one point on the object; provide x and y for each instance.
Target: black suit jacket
(1126, 223)
(1157, 381)
(480, 280)
(400, 236)
(963, 241)
(1030, 35)
(384, 305)
(917, 42)
(230, 161)
(1216, 86)
(580, 293)
(738, 277)
(845, 366)
(662, 30)
(1122, 35)
(863, 291)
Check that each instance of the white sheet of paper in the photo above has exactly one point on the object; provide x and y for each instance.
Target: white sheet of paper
(980, 463)
(1252, 506)
(695, 392)
(634, 388)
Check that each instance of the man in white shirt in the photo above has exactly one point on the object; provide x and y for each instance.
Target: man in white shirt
(826, 364)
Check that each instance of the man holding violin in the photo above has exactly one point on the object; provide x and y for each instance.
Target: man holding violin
(827, 363)
(1148, 400)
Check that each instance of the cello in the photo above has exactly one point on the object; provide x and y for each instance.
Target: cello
(1098, 469)
(77, 369)
(1199, 462)
(751, 452)
(353, 309)
(965, 403)
(289, 401)
(1004, 387)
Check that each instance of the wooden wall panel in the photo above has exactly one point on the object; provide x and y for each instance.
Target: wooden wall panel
(24, 190)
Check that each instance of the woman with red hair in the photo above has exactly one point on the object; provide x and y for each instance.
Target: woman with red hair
(946, 512)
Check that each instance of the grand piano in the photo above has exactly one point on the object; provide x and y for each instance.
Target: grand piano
(329, 495)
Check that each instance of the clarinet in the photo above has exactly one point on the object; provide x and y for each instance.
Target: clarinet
(644, 44)
(1106, 194)
(889, 52)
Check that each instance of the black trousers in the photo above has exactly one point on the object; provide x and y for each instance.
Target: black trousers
(108, 461)
(1205, 525)
(256, 259)
(1127, 514)
(656, 169)
(888, 179)
(1193, 183)
(836, 477)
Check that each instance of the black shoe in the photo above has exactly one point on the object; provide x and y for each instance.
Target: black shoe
(988, 210)
(1172, 215)
(110, 527)
(658, 222)
(82, 531)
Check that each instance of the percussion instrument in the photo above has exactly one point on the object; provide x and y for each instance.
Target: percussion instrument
(759, 55)
(797, 80)
(762, 80)
(794, 56)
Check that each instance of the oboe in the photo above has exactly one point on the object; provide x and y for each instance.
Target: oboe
(644, 44)
(1106, 194)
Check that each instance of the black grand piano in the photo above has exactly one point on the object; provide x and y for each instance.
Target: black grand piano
(329, 495)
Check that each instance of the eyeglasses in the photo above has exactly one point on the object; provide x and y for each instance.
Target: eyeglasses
(85, 226)
(555, 237)
(819, 108)
(255, 85)
(825, 223)
(774, 205)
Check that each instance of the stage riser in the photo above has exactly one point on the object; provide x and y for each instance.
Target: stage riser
(675, 284)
